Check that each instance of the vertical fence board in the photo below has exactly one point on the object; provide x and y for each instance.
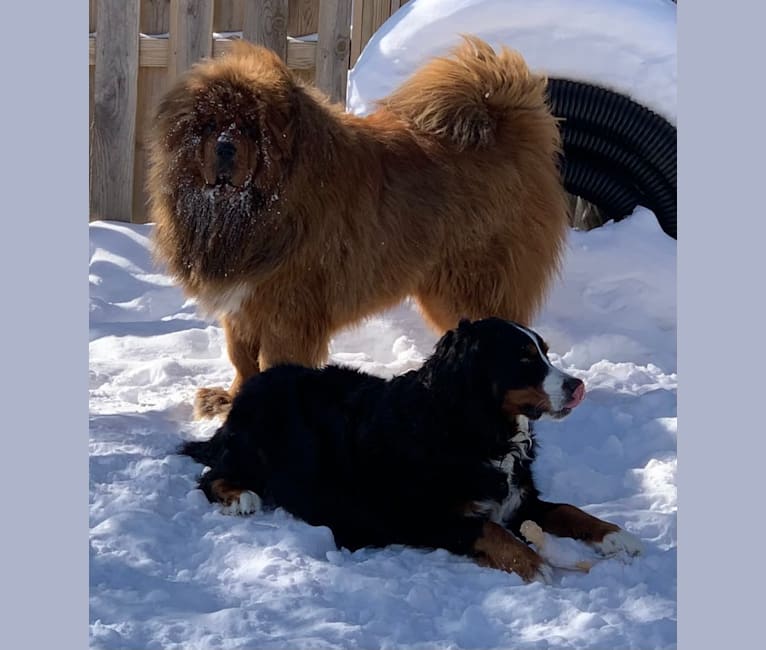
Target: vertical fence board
(191, 34)
(92, 13)
(303, 17)
(91, 82)
(155, 16)
(112, 131)
(368, 17)
(356, 32)
(228, 14)
(155, 19)
(265, 23)
(91, 93)
(380, 10)
(333, 48)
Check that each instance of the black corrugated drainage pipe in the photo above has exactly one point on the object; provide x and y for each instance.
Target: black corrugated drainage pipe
(617, 154)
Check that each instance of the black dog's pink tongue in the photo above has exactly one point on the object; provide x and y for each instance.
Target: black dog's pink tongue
(577, 396)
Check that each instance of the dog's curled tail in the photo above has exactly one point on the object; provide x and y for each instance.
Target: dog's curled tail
(207, 452)
(465, 97)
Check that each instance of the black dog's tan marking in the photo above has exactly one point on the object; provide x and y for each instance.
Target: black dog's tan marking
(564, 520)
(515, 400)
(499, 549)
(438, 457)
(224, 492)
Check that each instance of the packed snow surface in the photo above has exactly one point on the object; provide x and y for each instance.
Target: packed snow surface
(168, 570)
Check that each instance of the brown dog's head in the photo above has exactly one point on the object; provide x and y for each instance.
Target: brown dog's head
(226, 121)
(220, 165)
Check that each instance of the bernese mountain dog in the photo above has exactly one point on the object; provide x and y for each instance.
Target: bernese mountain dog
(438, 457)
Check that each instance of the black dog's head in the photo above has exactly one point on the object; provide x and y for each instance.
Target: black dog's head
(508, 363)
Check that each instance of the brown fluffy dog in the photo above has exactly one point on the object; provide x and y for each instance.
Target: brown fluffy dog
(290, 219)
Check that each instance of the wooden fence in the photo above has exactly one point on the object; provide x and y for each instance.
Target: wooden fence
(138, 47)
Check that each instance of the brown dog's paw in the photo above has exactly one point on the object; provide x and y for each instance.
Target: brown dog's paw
(211, 402)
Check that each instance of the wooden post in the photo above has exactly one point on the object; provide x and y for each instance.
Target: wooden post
(152, 80)
(333, 48)
(191, 34)
(92, 13)
(266, 24)
(112, 131)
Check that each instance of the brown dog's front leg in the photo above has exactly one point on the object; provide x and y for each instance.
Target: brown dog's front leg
(305, 344)
(564, 520)
(243, 346)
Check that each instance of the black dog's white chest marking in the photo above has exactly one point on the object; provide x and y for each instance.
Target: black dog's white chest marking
(502, 511)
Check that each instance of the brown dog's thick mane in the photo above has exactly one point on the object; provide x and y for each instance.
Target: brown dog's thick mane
(206, 232)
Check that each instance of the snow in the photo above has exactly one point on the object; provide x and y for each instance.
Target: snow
(168, 570)
(628, 45)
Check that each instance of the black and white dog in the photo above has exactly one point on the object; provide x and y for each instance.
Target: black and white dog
(438, 457)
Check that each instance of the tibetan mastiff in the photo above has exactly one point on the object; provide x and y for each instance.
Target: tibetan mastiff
(438, 457)
(290, 219)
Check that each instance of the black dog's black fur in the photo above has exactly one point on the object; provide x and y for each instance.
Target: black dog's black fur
(388, 461)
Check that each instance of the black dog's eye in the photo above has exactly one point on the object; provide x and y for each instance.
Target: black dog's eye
(528, 353)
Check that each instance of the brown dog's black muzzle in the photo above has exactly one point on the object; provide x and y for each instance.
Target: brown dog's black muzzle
(225, 153)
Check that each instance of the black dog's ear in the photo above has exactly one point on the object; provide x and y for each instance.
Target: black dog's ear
(465, 338)
(455, 357)
(445, 344)
(454, 341)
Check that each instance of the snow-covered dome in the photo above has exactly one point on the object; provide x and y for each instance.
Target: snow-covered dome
(625, 45)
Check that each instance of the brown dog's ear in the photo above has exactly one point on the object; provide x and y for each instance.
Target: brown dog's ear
(275, 124)
(172, 116)
(271, 158)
